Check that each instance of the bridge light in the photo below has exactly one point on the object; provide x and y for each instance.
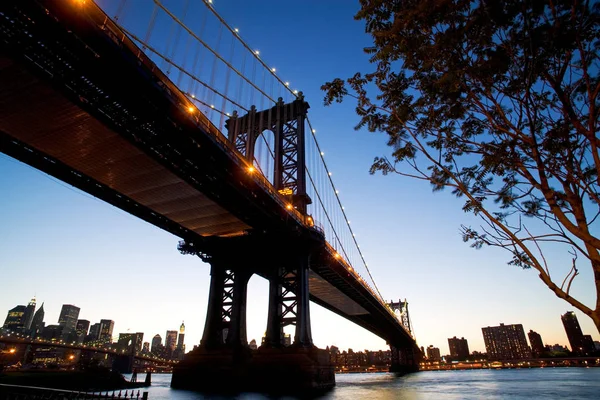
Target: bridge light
(193, 96)
(314, 131)
(256, 52)
(190, 109)
(273, 70)
(236, 30)
(287, 84)
(212, 106)
(11, 351)
(337, 192)
(336, 255)
(295, 92)
(289, 206)
(251, 169)
(329, 173)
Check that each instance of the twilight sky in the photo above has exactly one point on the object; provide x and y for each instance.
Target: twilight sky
(66, 247)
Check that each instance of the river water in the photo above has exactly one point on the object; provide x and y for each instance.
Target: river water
(520, 384)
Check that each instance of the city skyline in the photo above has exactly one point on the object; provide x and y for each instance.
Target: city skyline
(418, 255)
(458, 348)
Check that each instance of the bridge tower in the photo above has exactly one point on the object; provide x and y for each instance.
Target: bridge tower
(281, 258)
(404, 358)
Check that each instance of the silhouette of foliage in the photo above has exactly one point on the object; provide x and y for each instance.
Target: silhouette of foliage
(498, 102)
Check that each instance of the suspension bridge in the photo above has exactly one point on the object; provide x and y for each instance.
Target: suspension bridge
(160, 108)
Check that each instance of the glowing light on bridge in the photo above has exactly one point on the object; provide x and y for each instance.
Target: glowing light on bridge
(273, 70)
(256, 52)
(314, 131)
(289, 206)
(251, 169)
(191, 109)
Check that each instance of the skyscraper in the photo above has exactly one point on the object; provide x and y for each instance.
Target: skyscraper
(537, 345)
(579, 345)
(459, 348)
(37, 323)
(94, 332)
(14, 318)
(83, 325)
(170, 342)
(106, 330)
(68, 318)
(28, 315)
(180, 338)
(156, 344)
(505, 342)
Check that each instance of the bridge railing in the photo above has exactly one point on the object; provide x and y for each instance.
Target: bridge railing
(20, 392)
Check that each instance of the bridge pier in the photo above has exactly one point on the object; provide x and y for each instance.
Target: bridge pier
(223, 362)
(404, 360)
(226, 315)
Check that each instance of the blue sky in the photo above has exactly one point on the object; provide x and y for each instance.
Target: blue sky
(65, 246)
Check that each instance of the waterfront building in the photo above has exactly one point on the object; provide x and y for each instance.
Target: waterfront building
(14, 319)
(106, 330)
(170, 343)
(579, 345)
(433, 353)
(537, 345)
(156, 344)
(68, 318)
(459, 348)
(506, 342)
(37, 323)
(146, 348)
(28, 315)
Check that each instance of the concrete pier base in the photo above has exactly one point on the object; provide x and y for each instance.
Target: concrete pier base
(268, 370)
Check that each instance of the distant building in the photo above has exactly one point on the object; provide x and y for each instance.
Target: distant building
(68, 317)
(506, 342)
(557, 348)
(52, 332)
(28, 315)
(537, 345)
(579, 345)
(106, 330)
(181, 337)
(146, 348)
(156, 344)
(14, 319)
(170, 342)
(597, 345)
(433, 353)
(37, 323)
(253, 345)
(459, 348)
(82, 328)
(94, 332)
